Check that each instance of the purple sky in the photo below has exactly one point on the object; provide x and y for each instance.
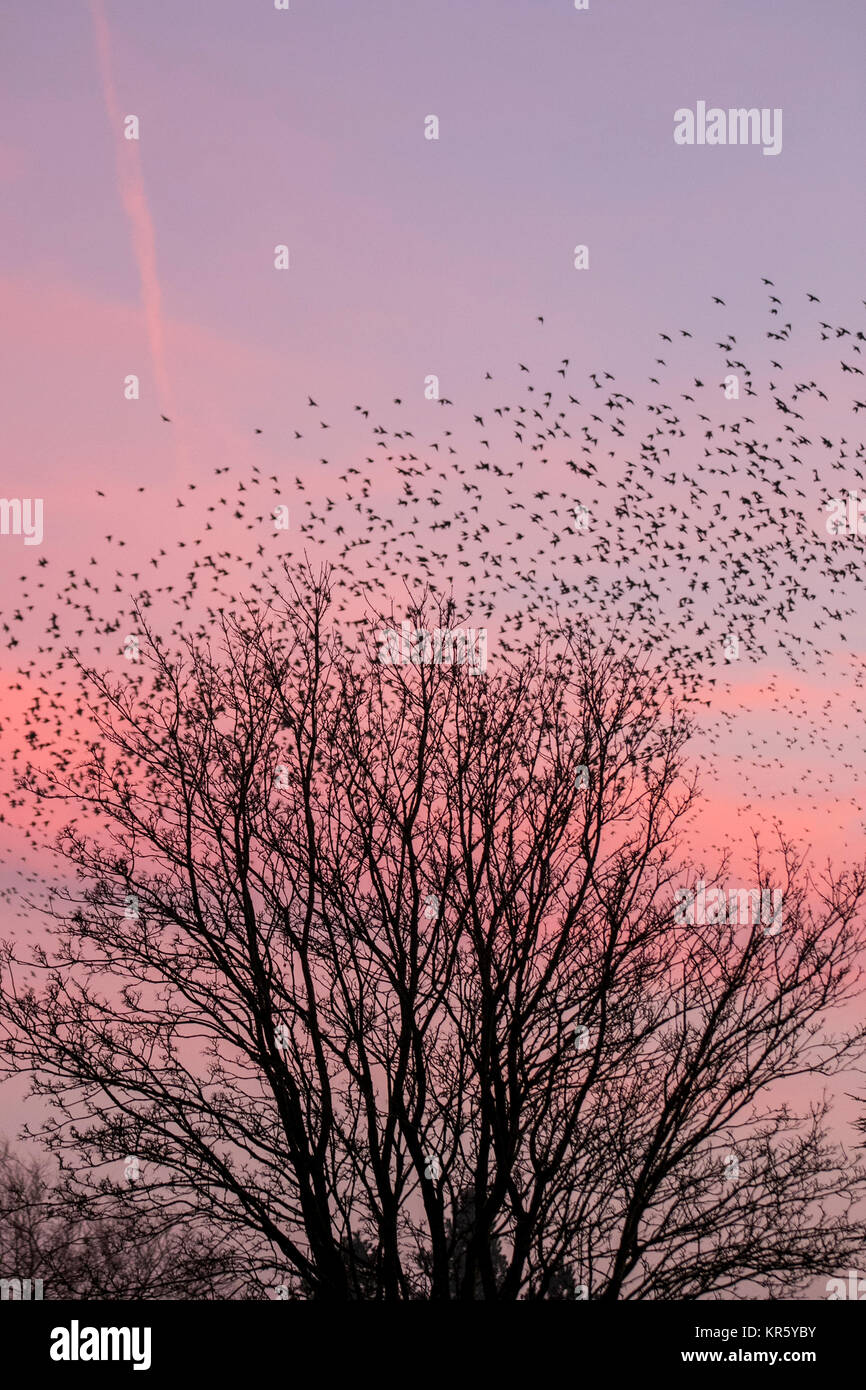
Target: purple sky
(409, 255)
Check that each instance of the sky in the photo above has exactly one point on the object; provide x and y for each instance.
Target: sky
(306, 127)
(408, 256)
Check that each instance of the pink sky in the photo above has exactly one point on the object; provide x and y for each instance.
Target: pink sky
(410, 257)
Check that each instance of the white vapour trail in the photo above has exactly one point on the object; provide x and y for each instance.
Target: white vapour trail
(135, 204)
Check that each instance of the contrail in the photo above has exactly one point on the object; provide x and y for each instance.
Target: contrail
(135, 203)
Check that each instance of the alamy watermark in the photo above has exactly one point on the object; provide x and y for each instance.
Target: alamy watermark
(410, 646)
(739, 906)
(854, 1289)
(22, 516)
(736, 126)
(18, 1290)
(77, 1343)
(847, 516)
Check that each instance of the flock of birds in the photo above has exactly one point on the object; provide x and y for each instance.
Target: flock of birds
(673, 518)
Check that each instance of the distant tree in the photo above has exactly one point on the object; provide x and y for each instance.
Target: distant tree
(390, 997)
(460, 1234)
(48, 1233)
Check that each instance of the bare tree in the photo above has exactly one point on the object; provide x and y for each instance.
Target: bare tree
(375, 968)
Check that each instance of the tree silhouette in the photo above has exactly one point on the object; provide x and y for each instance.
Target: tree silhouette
(384, 997)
